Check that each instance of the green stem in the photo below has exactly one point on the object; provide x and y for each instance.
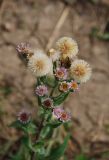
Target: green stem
(53, 140)
(53, 90)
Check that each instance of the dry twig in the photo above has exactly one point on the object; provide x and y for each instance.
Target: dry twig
(59, 24)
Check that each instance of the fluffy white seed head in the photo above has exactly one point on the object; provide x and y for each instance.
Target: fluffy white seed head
(80, 71)
(54, 54)
(40, 64)
(67, 47)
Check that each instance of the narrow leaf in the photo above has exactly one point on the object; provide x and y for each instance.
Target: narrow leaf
(27, 128)
(48, 80)
(55, 124)
(46, 131)
(58, 152)
(39, 150)
(60, 99)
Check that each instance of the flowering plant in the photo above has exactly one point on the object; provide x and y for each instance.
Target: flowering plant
(58, 73)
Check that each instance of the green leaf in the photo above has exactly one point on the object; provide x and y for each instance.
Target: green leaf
(39, 100)
(46, 131)
(41, 112)
(45, 114)
(55, 124)
(39, 150)
(27, 142)
(22, 154)
(58, 152)
(81, 157)
(67, 126)
(38, 144)
(29, 128)
(16, 124)
(17, 157)
(49, 80)
(48, 114)
(60, 99)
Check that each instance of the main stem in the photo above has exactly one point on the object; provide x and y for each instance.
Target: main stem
(40, 128)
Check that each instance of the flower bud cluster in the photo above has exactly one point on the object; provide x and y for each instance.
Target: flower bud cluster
(62, 64)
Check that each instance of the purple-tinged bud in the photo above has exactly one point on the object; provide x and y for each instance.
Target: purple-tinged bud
(65, 116)
(57, 112)
(41, 90)
(24, 116)
(47, 103)
(61, 73)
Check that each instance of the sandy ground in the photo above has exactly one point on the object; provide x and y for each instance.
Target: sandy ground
(34, 21)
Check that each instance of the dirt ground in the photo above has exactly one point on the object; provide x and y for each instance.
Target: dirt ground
(35, 21)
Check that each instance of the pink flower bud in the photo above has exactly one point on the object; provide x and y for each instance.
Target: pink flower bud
(24, 116)
(48, 103)
(57, 112)
(61, 73)
(65, 116)
(41, 90)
